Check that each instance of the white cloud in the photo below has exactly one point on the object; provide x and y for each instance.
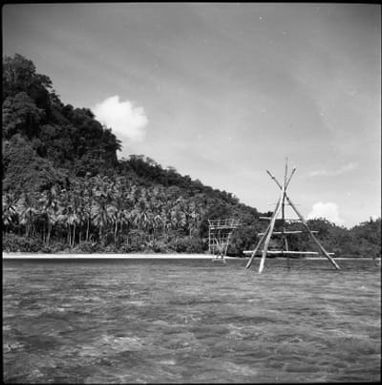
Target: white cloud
(342, 170)
(328, 210)
(122, 117)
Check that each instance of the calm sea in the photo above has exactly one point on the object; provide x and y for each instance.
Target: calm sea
(145, 321)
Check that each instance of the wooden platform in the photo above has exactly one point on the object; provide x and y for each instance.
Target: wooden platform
(219, 224)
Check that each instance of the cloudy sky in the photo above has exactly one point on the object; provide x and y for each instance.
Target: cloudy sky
(223, 92)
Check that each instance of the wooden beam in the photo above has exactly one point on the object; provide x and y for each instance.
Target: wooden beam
(286, 252)
(209, 240)
(290, 232)
(286, 172)
(226, 245)
(321, 248)
(257, 247)
(283, 201)
(279, 219)
(271, 226)
(278, 183)
(221, 227)
(290, 177)
(263, 237)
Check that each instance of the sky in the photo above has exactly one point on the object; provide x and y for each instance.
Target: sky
(223, 92)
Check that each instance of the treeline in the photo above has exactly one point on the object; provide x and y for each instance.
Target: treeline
(65, 190)
(363, 240)
(112, 215)
(102, 214)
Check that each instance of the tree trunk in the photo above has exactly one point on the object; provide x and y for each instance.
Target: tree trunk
(69, 236)
(48, 235)
(74, 235)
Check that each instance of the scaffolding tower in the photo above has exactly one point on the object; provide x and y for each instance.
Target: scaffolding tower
(219, 235)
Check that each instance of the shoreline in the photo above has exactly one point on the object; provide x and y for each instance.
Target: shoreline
(110, 256)
(77, 256)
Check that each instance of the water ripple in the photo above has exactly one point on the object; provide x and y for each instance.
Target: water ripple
(190, 321)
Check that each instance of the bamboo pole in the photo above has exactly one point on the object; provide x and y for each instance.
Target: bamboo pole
(209, 238)
(268, 237)
(290, 252)
(290, 177)
(286, 219)
(257, 247)
(290, 232)
(321, 248)
(283, 236)
(278, 183)
(287, 250)
(226, 245)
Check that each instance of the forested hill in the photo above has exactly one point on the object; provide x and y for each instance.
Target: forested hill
(65, 189)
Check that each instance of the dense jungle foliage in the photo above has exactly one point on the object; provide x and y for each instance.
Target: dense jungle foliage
(64, 188)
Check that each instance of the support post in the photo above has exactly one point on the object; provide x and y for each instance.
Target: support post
(284, 240)
(226, 245)
(321, 248)
(267, 239)
(209, 238)
(257, 247)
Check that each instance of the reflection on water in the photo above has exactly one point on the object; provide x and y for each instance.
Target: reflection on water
(190, 321)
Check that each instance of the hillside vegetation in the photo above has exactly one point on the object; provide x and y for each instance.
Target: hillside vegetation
(64, 188)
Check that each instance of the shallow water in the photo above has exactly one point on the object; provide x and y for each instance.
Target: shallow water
(141, 321)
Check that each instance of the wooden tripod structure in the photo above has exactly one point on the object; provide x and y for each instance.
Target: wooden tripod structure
(266, 236)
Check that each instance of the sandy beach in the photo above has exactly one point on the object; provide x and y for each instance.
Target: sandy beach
(21, 255)
(111, 256)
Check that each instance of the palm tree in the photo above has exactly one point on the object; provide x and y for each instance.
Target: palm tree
(50, 208)
(88, 203)
(157, 223)
(69, 216)
(9, 205)
(75, 217)
(166, 219)
(101, 215)
(193, 217)
(27, 213)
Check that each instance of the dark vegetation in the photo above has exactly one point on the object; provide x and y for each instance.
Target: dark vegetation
(64, 188)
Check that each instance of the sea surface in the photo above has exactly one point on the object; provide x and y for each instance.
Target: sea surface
(176, 321)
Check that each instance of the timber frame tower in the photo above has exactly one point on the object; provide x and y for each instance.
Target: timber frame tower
(219, 235)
